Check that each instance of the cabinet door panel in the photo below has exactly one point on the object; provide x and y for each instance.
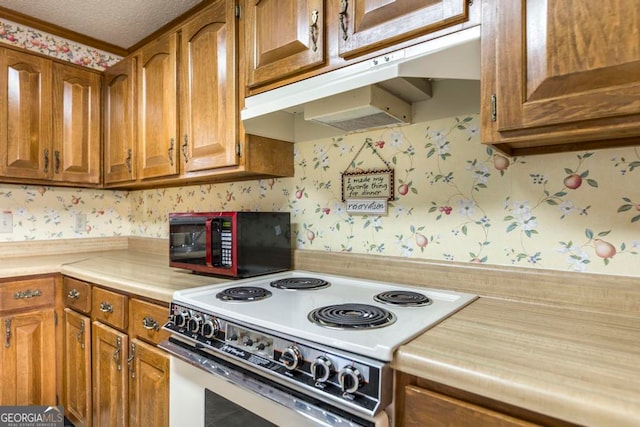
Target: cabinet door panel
(149, 385)
(372, 24)
(110, 385)
(208, 103)
(286, 38)
(158, 123)
(119, 118)
(77, 368)
(25, 128)
(549, 72)
(76, 124)
(28, 375)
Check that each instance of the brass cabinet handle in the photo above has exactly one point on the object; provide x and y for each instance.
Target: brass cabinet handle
(314, 29)
(128, 160)
(7, 340)
(105, 307)
(150, 323)
(343, 14)
(73, 294)
(185, 148)
(56, 156)
(130, 364)
(172, 143)
(117, 353)
(46, 160)
(80, 333)
(27, 294)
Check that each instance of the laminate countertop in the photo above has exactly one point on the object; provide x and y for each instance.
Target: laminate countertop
(578, 366)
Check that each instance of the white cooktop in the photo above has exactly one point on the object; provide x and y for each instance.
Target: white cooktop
(286, 311)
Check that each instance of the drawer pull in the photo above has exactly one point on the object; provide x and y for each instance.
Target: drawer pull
(7, 325)
(80, 333)
(117, 353)
(27, 294)
(150, 323)
(105, 307)
(344, 4)
(130, 363)
(73, 294)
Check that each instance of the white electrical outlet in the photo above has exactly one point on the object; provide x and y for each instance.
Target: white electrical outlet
(79, 222)
(6, 222)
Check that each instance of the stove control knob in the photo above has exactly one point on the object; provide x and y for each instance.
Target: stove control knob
(181, 319)
(210, 328)
(194, 323)
(321, 369)
(291, 357)
(350, 379)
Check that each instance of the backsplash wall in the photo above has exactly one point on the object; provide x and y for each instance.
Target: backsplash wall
(456, 200)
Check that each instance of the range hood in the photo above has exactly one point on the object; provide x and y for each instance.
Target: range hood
(380, 92)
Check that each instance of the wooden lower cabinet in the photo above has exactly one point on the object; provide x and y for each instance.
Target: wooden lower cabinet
(420, 402)
(114, 375)
(148, 385)
(77, 368)
(27, 358)
(110, 375)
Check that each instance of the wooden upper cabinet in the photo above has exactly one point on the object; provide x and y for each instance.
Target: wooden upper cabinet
(158, 121)
(76, 124)
(208, 106)
(25, 125)
(367, 25)
(559, 72)
(119, 122)
(284, 38)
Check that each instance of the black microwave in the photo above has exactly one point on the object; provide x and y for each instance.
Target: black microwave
(232, 244)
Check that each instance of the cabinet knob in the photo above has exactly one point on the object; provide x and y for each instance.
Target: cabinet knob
(73, 294)
(105, 307)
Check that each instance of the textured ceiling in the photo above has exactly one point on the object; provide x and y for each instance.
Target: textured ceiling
(121, 23)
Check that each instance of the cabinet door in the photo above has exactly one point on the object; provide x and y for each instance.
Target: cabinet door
(25, 125)
(148, 385)
(563, 71)
(110, 385)
(119, 122)
(27, 356)
(158, 120)
(76, 124)
(284, 38)
(426, 408)
(77, 368)
(208, 91)
(367, 25)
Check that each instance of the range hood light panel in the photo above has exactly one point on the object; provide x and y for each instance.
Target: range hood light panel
(368, 107)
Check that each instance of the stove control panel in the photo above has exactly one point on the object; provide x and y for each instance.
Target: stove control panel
(336, 375)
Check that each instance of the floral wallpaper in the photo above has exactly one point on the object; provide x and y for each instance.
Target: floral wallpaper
(57, 47)
(47, 213)
(455, 200)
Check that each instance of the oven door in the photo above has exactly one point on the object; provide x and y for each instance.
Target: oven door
(207, 391)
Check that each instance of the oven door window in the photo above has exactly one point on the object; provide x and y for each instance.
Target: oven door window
(221, 412)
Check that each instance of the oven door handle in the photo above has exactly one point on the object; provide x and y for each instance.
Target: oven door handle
(246, 382)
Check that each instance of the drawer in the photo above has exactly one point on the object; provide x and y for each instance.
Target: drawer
(77, 295)
(109, 307)
(29, 293)
(146, 320)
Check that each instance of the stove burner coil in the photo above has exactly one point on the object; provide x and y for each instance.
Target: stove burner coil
(243, 293)
(403, 298)
(351, 316)
(300, 283)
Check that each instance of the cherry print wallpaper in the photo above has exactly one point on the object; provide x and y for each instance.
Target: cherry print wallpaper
(455, 200)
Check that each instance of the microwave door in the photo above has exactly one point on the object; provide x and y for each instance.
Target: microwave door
(214, 242)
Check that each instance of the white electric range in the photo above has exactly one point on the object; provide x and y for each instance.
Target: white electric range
(326, 340)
